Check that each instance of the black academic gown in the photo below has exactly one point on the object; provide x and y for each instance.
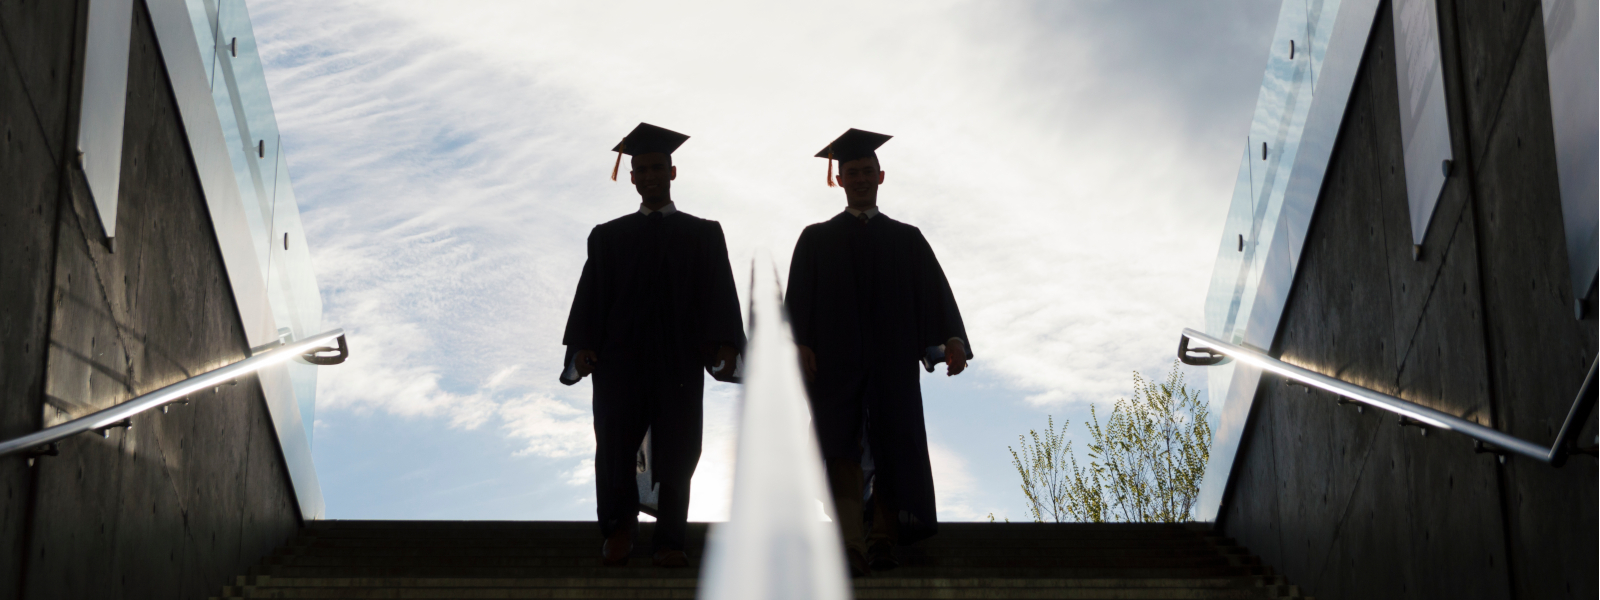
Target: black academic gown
(869, 299)
(655, 300)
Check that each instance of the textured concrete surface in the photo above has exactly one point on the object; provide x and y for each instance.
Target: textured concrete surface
(174, 506)
(1350, 505)
(34, 99)
(43, 40)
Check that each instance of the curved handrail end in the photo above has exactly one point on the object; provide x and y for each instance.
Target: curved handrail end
(1210, 358)
(316, 357)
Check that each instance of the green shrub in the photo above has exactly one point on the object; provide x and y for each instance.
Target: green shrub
(1145, 462)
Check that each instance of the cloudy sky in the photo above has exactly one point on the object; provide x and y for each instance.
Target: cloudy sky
(1070, 162)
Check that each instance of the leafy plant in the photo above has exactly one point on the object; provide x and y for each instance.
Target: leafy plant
(1145, 462)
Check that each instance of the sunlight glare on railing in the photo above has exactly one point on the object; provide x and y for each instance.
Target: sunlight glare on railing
(776, 545)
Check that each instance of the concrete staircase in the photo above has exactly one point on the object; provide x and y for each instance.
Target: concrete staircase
(533, 559)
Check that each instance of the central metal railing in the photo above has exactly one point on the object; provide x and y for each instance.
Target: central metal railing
(776, 544)
(1217, 351)
(313, 350)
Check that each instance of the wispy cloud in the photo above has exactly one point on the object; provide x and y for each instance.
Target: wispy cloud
(1069, 163)
(955, 485)
(583, 474)
(548, 426)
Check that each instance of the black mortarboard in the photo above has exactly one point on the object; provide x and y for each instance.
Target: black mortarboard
(646, 139)
(854, 144)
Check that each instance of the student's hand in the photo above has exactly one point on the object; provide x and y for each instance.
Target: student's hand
(955, 357)
(727, 360)
(808, 362)
(587, 360)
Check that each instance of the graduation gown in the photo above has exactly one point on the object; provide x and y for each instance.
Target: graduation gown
(870, 299)
(654, 291)
(655, 301)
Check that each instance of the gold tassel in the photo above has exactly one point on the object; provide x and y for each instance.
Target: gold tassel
(623, 145)
(830, 168)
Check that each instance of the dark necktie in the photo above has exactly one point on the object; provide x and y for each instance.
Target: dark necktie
(863, 217)
(656, 216)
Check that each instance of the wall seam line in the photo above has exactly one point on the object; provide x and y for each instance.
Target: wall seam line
(1491, 395)
(1505, 87)
(1387, 362)
(1490, 343)
(64, 195)
(27, 91)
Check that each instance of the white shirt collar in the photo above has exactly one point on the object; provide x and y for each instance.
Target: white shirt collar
(870, 212)
(665, 210)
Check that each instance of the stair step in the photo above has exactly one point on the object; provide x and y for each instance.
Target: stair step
(876, 581)
(591, 538)
(1131, 593)
(482, 562)
(641, 568)
(509, 559)
(404, 556)
(592, 548)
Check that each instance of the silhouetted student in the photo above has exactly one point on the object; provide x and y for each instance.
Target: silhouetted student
(868, 301)
(655, 305)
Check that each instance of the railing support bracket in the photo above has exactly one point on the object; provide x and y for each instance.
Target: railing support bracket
(1478, 447)
(50, 449)
(1405, 421)
(105, 432)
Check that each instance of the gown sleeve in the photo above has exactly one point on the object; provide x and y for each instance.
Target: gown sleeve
(584, 326)
(724, 322)
(938, 318)
(800, 293)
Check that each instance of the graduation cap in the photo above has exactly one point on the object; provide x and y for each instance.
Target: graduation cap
(854, 144)
(646, 139)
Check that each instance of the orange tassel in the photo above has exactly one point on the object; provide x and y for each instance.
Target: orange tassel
(830, 168)
(620, 147)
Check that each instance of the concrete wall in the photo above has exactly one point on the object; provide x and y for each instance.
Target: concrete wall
(1351, 505)
(181, 502)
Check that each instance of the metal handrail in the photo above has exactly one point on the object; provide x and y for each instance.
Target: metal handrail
(775, 545)
(1219, 351)
(308, 349)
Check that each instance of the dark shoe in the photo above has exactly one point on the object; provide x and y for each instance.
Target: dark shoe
(671, 559)
(617, 548)
(858, 563)
(881, 557)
